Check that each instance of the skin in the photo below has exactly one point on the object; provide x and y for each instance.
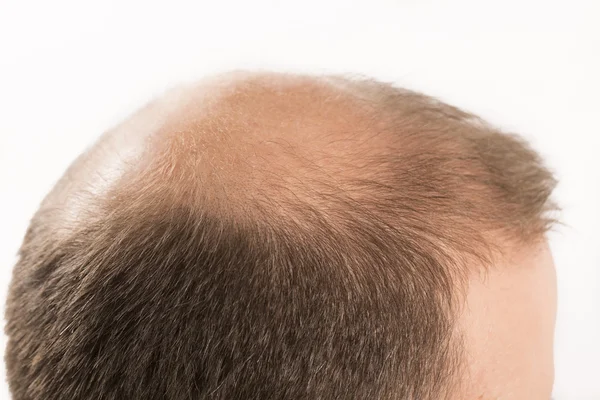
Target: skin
(507, 319)
(508, 326)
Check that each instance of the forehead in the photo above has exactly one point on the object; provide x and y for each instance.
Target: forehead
(508, 324)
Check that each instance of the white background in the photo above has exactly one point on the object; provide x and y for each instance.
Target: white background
(71, 69)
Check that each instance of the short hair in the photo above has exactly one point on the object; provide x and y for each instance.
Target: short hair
(311, 286)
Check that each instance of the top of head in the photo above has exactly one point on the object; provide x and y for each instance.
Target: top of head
(338, 214)
(246, 145)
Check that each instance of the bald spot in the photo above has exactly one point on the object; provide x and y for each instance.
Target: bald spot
(239, 142)
(254, 146)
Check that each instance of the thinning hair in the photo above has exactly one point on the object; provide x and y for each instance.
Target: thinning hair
(293, 238)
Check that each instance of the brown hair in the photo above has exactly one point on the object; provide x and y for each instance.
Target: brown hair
(336, 277)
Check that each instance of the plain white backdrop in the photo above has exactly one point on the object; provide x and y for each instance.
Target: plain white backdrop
(69, 70)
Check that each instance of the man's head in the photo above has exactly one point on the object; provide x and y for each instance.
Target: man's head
(270, 236)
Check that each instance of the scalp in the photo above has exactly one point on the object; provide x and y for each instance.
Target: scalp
(267, 137)
(249, 145)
